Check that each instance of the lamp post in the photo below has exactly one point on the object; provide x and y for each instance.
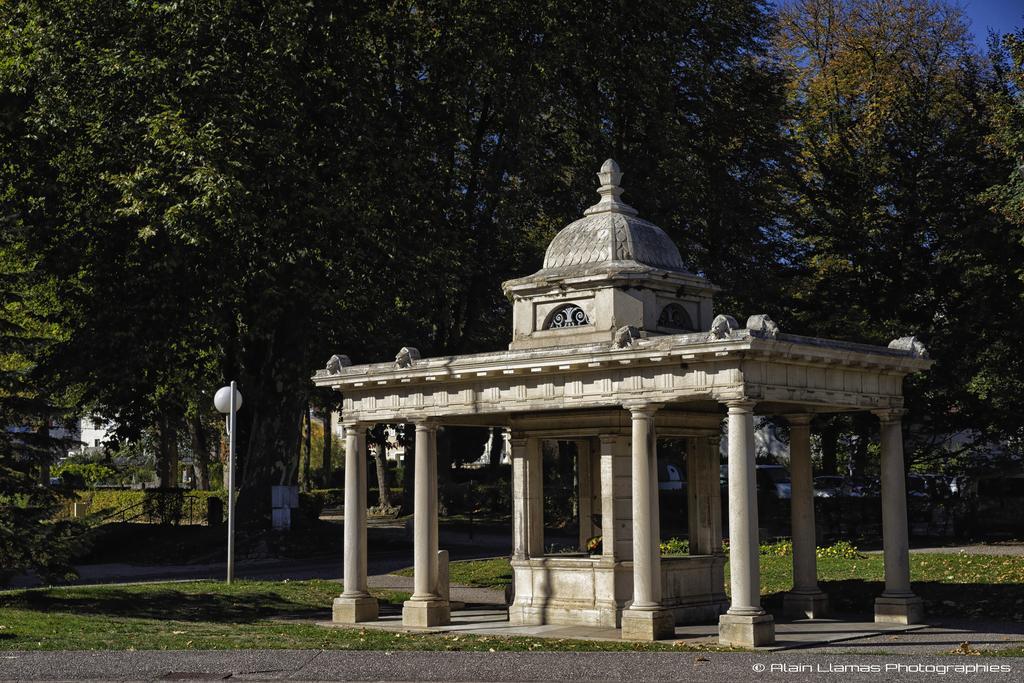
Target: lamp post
(228, 400)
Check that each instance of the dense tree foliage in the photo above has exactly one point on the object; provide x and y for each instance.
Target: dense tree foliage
(29, 538)
(226, 189)
(891, 112)
(230, 189)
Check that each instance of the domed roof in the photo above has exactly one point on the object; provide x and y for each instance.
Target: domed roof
(611, 231)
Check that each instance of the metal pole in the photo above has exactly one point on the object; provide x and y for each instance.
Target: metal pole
(231, 486)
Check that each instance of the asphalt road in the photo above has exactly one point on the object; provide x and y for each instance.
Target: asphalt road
(272, 665)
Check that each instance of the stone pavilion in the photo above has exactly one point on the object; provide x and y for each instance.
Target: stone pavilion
(615, 344)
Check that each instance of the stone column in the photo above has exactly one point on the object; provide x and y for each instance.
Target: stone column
(646, 619)
(897, 604)
(425, 607)
(520, 513)
(355, 603)
(806, 600)
(746, 624)
(435, 491)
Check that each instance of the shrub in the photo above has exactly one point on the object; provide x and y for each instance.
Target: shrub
(675, 546)
(111, 499)
(311, 504)
(841, 549)
(83, 474)
(783, 548)
(333, 497)
(383, 511)
(164, 506)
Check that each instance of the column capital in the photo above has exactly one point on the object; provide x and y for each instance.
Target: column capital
(519, 442)
(890, 415)
(357, 424)
(425, 426)
(801, 420)
(740, 405)
(642, 408)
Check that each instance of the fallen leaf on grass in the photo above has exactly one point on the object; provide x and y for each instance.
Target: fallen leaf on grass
(965, 649)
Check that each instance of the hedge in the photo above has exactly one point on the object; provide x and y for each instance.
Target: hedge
(328, 497)
(166, 506)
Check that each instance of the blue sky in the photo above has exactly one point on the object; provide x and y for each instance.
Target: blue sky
(1002, 16)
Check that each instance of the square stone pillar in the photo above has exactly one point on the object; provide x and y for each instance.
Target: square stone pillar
(520, 513)
(355, 604)
(746, 624)
(646, 618)
(703, 495)
(806, 600)
(534, 497)
(616, 498)
(426, 607)
(585, 491)
(897, 604)
(527, 497)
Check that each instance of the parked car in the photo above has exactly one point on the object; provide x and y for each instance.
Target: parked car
(917, 487)
(938, 486)
(828, 486)
(861, 487)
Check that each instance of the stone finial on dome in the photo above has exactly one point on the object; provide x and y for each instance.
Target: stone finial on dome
(610, 173)
(610, 176)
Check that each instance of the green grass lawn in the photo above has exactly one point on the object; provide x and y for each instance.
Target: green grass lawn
(974, 586)
(205, 615)
(278, 614)
(989, 586)
(493, 573)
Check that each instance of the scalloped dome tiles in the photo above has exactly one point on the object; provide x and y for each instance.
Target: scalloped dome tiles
(611, 231)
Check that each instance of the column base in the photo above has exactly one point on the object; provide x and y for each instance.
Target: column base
(655, 624)
(425, 613)
(355, 609)
(746, 631)
(899, 610)
(810, 605)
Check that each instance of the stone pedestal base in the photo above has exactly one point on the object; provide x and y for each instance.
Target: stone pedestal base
(654, 624)
(746, 631)
(354, 610)
(899, 610)
(805, 605)
(425, 613)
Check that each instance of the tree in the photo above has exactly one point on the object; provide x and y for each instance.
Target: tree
(377, 440)
(238, 190)
(999, 379)
(890, 117)
(29, 539)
